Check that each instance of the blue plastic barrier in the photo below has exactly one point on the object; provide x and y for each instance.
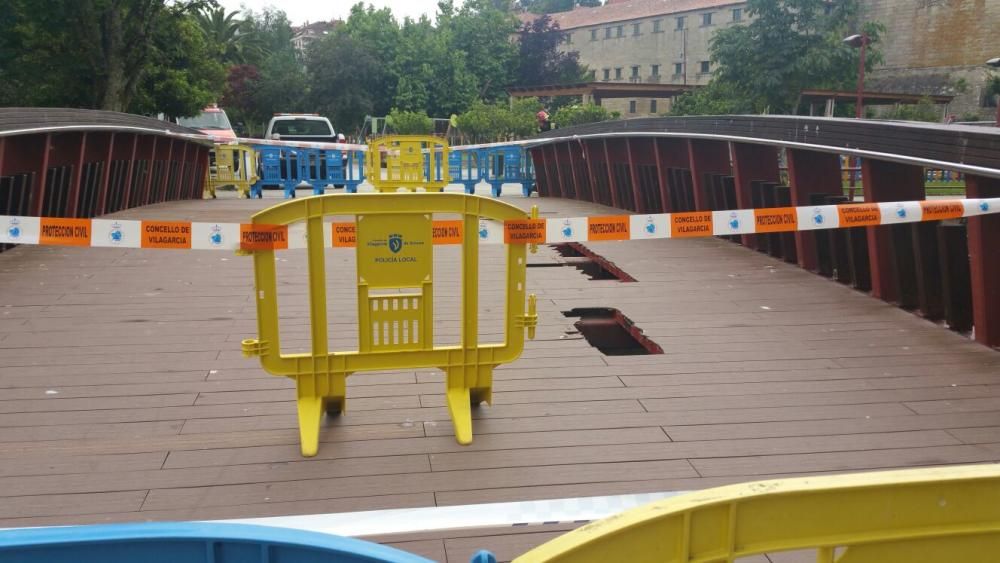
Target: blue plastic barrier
(464, 168)
(289, 167)
(189, 543)
(496, 165)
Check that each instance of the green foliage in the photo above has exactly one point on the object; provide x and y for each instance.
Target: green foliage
(344, 76)
(480, 31)
(485, 123)
(993, 85)
(788, 46)
(405, 122)
(431, 77)
(541, 59)
(553, 6)
(584, 113)
(924, 110)
(183, 77)
(717, 98)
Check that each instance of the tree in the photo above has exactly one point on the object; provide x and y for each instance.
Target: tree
(233, 41)
(923, 110)
(482, 30)
(541, 60)
(345, 77)
(377, 33)
(789, 45)
(182, 77)
(410, 122)
(553, 6)
(569, 116)
(95, 53)
(487, 123)
(431, 75)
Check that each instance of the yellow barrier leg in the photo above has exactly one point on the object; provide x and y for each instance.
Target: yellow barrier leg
(310, 413)
(459, 404)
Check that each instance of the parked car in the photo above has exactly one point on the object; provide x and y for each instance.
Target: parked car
(300, 127)
(211, 121)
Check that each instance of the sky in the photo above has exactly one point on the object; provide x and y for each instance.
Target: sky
(300, 11)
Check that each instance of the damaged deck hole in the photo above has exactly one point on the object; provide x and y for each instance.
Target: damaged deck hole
(611, 332)
(587, 261)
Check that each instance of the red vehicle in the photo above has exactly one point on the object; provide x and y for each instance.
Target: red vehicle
(212, 121)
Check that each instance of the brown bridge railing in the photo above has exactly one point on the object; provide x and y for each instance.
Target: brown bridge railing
(85, 163)
(945, 271)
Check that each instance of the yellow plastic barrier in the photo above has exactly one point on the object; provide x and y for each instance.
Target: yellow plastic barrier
(410, 162)
(231, 165)
(394, 237)
(918, 515)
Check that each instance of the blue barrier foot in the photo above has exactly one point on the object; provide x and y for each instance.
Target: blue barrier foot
(495, 190)
(483, 556)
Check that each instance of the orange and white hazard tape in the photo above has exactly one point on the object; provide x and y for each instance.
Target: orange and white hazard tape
(121, 233)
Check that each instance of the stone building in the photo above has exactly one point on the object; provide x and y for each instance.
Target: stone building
(938, 47)
(930, 46)
(650, 41)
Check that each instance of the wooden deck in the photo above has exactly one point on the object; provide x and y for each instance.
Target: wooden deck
(124, 396)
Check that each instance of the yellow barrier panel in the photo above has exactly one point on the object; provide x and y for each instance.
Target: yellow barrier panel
(916, 515)
(410, 162)
(231, 165)
(394, 253)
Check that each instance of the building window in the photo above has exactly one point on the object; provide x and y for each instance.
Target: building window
(680, 23)
(737, 14)
(631, 106)
(654, 70)
(593, 35)
(635, 71)
(652, 106)
(568, 38)
(620, 31)
(607, 74)
(706, 67)
(657, 26)
(618, 73)
(678, 69)
(706, 19)
(635, 28)
(607, 33)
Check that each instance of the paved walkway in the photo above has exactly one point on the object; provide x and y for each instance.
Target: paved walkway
(124, 396)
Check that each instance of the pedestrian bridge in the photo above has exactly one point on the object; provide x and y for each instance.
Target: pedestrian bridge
(658, 365)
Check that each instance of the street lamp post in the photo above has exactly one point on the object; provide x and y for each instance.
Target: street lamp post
(995, 63)
(859, 40)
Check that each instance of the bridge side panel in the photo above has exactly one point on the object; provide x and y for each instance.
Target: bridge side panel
(810, 174)
(706, 157)
(888, 181)
(984, 257)
(752, 163)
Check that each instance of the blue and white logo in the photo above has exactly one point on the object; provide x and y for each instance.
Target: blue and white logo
(484, 232)
(567, 229)
(395, 243)
(215, 237)
(14, 229)
(900, 211)
(734, 221)
(818, 216)
(650, 225)
(984, 206)
(115, 235)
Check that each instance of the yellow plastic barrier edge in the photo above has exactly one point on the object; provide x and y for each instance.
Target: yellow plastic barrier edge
(934, 514)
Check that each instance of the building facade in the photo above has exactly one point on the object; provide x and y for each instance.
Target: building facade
(929, 47)
(649, 41)
(938, 47)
